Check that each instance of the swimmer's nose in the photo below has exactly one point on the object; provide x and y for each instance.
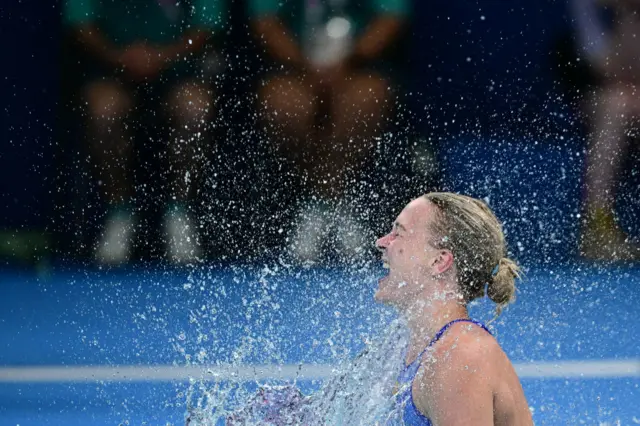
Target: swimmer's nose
(382, 243)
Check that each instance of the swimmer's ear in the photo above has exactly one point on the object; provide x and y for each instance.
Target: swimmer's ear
(442, 262)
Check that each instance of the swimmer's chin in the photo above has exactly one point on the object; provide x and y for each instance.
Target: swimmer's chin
(384, 297)
(381, 292)
(380, 297)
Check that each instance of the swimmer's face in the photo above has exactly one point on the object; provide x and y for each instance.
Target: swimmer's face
(408, 255)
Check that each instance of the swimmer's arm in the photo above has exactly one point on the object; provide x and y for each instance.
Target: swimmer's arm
(458, 390)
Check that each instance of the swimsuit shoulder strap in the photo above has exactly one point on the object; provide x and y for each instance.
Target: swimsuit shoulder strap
(444, 329)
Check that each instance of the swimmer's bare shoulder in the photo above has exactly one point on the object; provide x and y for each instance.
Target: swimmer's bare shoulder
(469, 380)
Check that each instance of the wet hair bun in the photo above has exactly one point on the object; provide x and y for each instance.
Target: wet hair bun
(502, 287)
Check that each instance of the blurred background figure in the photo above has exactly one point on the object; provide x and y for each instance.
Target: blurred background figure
(607, 37)
(324, 102)
(145, 55)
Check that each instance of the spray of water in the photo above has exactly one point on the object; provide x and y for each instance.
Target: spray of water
(359, 390)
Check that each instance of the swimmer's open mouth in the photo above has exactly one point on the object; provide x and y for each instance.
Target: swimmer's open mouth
(386, 266)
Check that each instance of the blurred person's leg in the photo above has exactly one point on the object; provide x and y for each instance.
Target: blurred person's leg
(108, 105)
(360, 108)
(190, 107)
(289, 111)
(602, 238)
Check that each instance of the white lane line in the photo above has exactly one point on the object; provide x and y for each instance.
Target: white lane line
(161, 373)
(580, 369)
(629, 368)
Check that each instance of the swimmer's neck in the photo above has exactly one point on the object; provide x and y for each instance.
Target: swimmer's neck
(427, 316)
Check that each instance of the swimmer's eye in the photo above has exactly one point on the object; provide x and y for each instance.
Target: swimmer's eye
(395, 230)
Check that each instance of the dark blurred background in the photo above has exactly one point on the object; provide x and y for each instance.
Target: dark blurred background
(488, 99)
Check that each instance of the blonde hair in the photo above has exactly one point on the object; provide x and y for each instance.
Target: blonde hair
(469, 229)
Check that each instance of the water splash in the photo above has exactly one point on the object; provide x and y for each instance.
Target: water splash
(360, 391)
